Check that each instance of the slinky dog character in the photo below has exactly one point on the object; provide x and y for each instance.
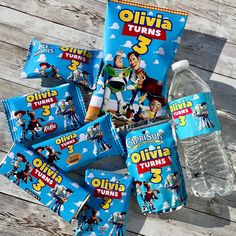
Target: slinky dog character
(23, 175)
(34, 123)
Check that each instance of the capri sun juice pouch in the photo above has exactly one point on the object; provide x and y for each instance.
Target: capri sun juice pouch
(140, 42)
(154, 164)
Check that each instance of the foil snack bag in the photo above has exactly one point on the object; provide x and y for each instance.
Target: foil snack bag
(61, 62)
(93, 141)
(44, 182)
(154, 164)
(106, 212)
(140, 42)
(46, 113)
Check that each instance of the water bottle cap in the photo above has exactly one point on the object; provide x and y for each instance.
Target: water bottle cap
(180, 66)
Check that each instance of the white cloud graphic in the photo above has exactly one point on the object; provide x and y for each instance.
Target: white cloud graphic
(96, 66)
(102, 173)
(112, 36)
(128, 44)
(62, 208)
(67, 94)
(82, 137)
(182, 19)
(178, 40)
(12, 117)
(106, 211)
(122, 201)
(150, 13)
(118, 7)
(141, 175)
(60, 55)
(74, 184)
(156, 62)
(85, 150)
(78, 204)
(50, 118)
(195, 97)
(30, 152)
(11, 155)
(109, 57)
(41, 58)
(114, 26)
(128, 164)
(14, 129)
(91, 175)
(100, 55)
(113, 179)
(93, 234)
(143, 64)
(160, 51)
(168, 169)
(23, 75)
(72, 211)
(100, 91)
(151, 148)
(166, 205)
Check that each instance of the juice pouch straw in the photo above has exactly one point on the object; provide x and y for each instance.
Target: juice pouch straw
(154, 164)
(106, 212)
(140, 42)
(44, 114)
(44, 182)
(61, 62)
(78, 148)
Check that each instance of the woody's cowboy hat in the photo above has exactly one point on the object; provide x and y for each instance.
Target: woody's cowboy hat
(45, 64)
(21, 156)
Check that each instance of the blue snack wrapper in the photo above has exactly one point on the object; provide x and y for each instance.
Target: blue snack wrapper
(61, 62)
(154, 164)
(140, 42)
(45, 113)
(78, 148)
(44, 182)
(107, 210)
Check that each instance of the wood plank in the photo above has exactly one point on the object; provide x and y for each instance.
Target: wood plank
(25, 27)
(195, 46)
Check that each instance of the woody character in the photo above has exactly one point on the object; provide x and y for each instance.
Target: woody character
(61, 199)
(16, 164)
(48, 71)
(72, 114)
(21, 122)
(141, 82)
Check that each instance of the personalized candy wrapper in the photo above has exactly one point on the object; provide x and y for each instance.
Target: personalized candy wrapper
(107, 210)
(78, 148)
(45, 113)
(44, 182)
(60, 62)
(154, 164)
(140, 42)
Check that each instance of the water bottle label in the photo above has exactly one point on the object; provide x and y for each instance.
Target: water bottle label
(194, 115)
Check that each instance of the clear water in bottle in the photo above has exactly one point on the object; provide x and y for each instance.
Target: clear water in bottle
(199, 134)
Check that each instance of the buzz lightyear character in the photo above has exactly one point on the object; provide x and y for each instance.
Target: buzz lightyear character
(118, 221)
(115, 82)
(198, 112)
(62, 109)
(172, 183)
(76, 75)
(57, 191)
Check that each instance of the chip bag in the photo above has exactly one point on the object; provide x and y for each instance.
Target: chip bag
(61, 62)
(107, 210)
(140, 42)
(154, 164)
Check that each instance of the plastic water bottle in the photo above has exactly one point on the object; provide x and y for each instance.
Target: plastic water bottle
(199, 133)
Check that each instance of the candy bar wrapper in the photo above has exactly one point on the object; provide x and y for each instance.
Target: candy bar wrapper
(44, 114)
(107, 210)
(44, 182)
(61, 62)
(154, 164)
(75, 149)
(140, 42)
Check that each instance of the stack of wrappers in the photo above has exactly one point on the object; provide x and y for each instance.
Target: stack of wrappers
(53, 133)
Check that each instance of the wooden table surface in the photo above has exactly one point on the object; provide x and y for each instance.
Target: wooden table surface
(209, 43)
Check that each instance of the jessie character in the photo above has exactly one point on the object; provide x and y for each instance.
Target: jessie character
(48, 70)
